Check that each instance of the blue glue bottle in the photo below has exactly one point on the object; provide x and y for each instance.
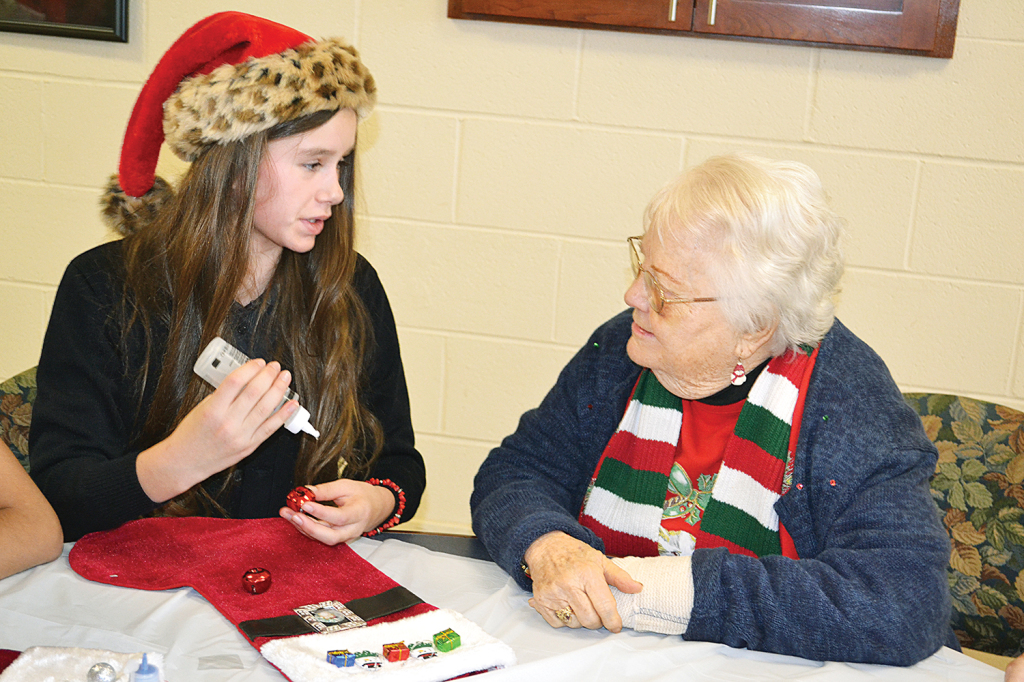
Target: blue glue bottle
(146, 672)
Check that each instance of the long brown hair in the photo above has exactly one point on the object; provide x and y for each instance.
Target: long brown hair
(183, 272)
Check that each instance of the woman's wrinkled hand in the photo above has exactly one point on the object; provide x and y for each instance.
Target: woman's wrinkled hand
(223, 429)
(356, 508)
(570, 573)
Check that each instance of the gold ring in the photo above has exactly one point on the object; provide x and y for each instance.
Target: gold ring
(564, 615)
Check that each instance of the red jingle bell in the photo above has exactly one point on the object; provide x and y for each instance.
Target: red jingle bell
(299, 497)
(256, 581)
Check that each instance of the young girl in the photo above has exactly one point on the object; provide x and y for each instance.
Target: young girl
(256, 246)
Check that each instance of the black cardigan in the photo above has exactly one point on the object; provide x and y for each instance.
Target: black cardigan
(87, 413)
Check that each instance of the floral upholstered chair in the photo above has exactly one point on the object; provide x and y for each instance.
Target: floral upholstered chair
(979, 488)
(16, 397)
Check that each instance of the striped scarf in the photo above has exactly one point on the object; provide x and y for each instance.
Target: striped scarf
(627, 493)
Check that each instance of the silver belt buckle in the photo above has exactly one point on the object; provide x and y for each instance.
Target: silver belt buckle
(329, 616)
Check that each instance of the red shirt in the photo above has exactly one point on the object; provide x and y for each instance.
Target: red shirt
(705, 431)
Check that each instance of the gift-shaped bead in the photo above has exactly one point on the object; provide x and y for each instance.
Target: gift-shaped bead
(447, 640)
(397, 651)
(343, 658)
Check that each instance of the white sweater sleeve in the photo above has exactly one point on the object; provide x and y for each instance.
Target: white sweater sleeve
(665, 603)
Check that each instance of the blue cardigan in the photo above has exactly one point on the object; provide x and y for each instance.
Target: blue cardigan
(870, 585)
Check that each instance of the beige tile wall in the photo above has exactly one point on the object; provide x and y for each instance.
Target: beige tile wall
(505, 165)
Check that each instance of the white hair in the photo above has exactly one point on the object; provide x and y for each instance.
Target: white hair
(770, 240)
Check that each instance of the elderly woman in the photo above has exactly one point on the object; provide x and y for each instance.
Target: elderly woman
(745, 459)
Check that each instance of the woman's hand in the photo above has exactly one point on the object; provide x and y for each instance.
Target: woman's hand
(224, 428)
(570, 573)
(358, 508)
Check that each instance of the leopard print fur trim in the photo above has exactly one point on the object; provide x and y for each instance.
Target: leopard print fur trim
(127, 214)
(236, 100)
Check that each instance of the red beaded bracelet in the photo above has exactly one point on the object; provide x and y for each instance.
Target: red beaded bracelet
(393, 521)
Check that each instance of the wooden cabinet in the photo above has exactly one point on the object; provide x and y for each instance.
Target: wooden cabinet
(920, 27)
(638, 14)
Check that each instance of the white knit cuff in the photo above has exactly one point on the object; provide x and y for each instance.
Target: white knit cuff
(665, 603)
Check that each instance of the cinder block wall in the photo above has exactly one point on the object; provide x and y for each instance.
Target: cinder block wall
(506, 164)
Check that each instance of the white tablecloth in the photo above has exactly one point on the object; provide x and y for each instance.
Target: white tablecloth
(52, 606)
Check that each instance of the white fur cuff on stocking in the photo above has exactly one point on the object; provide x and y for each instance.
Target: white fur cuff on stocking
(42, 663)
(304, 659)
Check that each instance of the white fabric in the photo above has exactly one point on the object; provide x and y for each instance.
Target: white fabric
(57, 664)
(652, 423)
(676, 542)
(641, 520)
(775, 393)
(740, 490)
(52, 606)
(304, 658)
(665, 603)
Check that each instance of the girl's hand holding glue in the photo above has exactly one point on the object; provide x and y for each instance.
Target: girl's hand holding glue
(220, 358)
(250, 403)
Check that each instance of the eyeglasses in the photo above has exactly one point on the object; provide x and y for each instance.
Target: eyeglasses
(655, 294)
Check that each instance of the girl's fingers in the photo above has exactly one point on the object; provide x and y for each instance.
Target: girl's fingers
(319, 530)
(238, 380)
(258, 386)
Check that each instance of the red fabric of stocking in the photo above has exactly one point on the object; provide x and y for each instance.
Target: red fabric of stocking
(212, 555)
(7, 657)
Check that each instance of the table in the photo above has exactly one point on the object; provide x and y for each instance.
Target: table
(51, 605)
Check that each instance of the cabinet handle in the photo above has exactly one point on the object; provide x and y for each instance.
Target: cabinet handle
(672, 10)
(711, 12)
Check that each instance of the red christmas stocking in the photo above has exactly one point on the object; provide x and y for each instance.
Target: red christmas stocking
(326, 593)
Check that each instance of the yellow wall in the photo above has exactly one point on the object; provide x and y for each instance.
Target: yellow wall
(505, 165)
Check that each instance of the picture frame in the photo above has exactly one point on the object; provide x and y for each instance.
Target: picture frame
(89, 19)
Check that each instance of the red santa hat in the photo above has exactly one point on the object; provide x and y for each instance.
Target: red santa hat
(227, 77)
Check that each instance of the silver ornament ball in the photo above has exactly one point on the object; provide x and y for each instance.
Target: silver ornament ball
(101, 672)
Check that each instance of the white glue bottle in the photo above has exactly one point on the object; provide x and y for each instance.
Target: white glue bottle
(220, 359)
